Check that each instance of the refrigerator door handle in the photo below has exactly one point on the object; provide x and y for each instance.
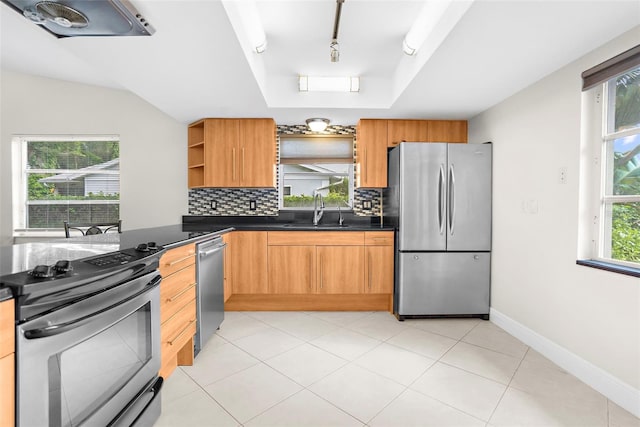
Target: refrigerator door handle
(452, 198)
(441, 200)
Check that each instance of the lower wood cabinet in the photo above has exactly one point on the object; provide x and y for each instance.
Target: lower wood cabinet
(7, 364)
(248, 251)
(177, 308)
(378, 272)
(340, 269)
(311, 270)
(292, 269)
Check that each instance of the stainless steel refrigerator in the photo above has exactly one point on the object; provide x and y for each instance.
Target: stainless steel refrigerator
(439, 199)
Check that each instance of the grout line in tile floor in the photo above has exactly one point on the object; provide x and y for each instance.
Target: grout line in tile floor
(348, 325)
(408, 387)
(508, 385)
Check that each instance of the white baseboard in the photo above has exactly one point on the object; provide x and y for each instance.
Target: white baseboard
(615, 390)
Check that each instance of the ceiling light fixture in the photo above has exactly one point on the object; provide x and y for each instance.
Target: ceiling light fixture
(424, 24)
(328, 84)
(334, 47)
(317, 124)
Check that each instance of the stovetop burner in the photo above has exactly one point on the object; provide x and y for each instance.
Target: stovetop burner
(47, 271)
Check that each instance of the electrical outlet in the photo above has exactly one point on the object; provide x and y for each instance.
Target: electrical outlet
(252, 205)
(562, 175)
(366, 205)
(214, 205)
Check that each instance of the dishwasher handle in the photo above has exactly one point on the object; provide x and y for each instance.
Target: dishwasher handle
(211, 249)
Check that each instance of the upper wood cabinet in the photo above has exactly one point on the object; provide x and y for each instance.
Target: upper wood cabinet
(371, 153)
(406, 130)
(375, 136)
(447, 131)
(425, 131)
(232, 153)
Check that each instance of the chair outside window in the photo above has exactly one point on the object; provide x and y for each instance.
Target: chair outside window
(91, 229)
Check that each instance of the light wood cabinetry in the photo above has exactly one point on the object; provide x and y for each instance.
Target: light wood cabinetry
(447, 131)
(312, 270)
(371, 153)
(248, 262)
(232, 153)
(340, 269)
(7, 363)
(292, 269)
(177, 308)
(406, 130)
(222, 140)
(195, 155)
(257, 156)
(378, 259)
(375, 136)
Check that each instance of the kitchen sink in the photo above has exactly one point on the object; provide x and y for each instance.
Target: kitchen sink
(312, 227)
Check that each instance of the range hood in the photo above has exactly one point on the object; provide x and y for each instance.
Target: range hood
(81, 18)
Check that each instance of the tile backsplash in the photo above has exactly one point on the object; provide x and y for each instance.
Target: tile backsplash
(233, 201)
(264, 202)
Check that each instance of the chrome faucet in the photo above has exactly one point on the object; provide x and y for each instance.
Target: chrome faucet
(317, 214)
(340, 217)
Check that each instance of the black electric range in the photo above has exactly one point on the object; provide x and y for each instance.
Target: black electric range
(45, 288)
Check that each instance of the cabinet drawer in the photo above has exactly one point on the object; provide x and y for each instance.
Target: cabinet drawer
(319, 238)
(178, 329)
(177, 259)
(7, 387)
(176, 290)
(378, 238)
(7, 328)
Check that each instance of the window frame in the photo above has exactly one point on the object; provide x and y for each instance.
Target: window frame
(600, 108)
(19, 178)
(281, 186)
(315, 161)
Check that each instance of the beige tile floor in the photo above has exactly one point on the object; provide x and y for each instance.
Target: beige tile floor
(367, 369)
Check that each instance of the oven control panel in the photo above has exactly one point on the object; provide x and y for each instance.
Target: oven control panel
(110, 259)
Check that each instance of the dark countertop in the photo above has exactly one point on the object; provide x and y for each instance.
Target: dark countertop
(25, 256)
(289, 221)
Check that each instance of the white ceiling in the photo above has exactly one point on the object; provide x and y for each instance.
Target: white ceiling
(194, 65)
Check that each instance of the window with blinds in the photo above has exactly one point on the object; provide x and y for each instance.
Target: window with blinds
(316, 164)
(613, 89)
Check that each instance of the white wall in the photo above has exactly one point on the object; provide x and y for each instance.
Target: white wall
(152, 144)
(535, 281)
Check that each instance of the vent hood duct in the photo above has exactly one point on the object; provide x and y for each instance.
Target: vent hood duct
(82, 18)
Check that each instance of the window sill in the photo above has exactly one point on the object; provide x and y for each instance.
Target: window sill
(614, 268)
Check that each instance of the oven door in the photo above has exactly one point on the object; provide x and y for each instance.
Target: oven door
(86, 362)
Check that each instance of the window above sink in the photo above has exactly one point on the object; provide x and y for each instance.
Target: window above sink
(311, 164)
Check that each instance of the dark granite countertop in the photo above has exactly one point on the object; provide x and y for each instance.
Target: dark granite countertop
(289, 221)
(25, 256)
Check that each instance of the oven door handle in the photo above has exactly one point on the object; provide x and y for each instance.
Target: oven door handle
(72, 324)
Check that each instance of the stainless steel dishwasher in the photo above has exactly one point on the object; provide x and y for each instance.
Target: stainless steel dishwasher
(210, 290)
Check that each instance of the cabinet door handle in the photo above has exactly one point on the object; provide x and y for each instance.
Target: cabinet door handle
(177, 337)
(364, 165)
(321, 271)
(310, 270)
(242, 169)
(176, 296)
(369, 269)
(172, 263)
(233, 164)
